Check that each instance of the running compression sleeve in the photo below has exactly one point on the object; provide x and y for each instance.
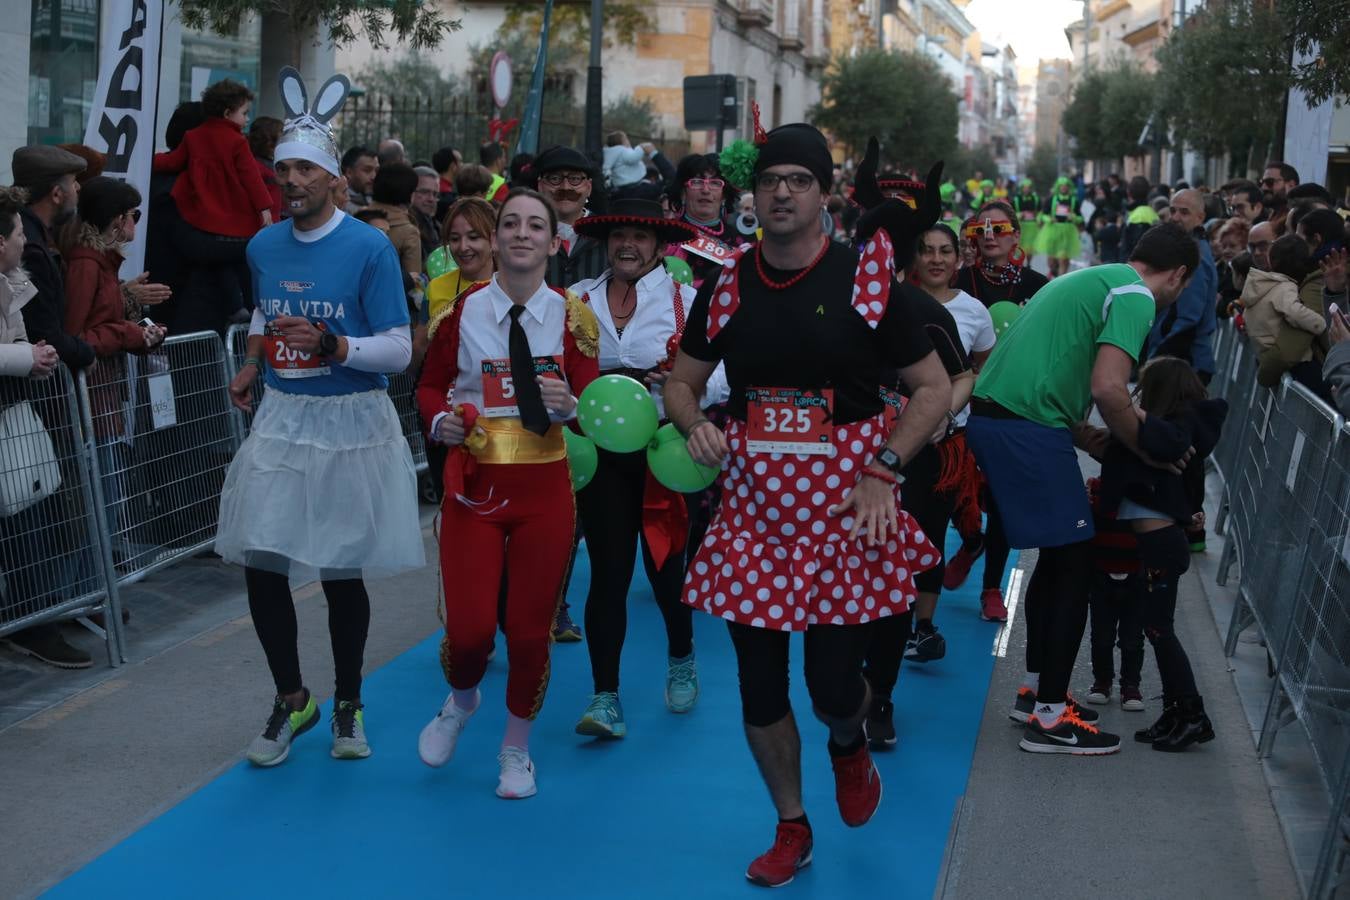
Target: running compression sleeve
(259, 322)
(388, 351)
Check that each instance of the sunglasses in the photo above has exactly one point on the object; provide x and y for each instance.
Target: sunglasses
(714, 184)
(135, 215)
(797, 182)
(994, 229)
(1268, 182)
(573, 179)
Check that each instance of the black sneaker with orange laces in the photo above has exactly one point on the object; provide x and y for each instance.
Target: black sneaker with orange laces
(1085, 713)
(857, 786)
(778, 865)
(1069, 734)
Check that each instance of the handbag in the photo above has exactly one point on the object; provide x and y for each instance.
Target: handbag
(29, 472)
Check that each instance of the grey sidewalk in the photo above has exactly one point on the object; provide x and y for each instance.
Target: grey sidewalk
(1136, 824)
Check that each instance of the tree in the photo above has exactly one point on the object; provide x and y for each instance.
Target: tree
(411, 75)
(964, 162)
(634, 117)
(1082, 119)
(571, 23)
(1222, 79)
(1321, 31)
(903, 99)
(420, 25)
(1043, 167)
(1126, 106)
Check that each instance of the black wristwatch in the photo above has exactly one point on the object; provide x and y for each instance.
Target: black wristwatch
(328, 343)
(890, 459)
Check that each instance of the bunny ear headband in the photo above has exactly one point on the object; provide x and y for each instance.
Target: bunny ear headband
(307, 134)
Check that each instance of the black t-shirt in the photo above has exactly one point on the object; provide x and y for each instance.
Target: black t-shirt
(929, 315)
(987, 292)
(808, 336)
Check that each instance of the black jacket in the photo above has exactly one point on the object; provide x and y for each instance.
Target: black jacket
(587, 260)
(44, 316)
(1126, 476)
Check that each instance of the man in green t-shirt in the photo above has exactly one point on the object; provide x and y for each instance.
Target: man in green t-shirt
(1073, 345)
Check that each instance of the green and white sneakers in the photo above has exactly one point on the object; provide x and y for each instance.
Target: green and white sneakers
(349, 731)
(284, 725)
(681, 684)
(603, 718)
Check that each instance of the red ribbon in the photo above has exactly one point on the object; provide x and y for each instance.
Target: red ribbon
(460, 463)
(498, 129)
(665, 521)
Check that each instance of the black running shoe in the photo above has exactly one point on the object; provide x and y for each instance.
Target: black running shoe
(1024, 705)
(1068, 735)
(880, 725)
(928, 646)
(1085, 713)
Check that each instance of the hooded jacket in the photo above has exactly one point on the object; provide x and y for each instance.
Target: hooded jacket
(1270, 299)
(1126, 476)
(16, 352)
(95, 311)
(1296, 344)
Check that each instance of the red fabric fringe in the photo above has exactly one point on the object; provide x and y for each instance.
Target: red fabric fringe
(961, 477)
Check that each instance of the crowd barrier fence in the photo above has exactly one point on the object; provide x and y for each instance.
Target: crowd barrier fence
(1285, 462)
(115, 473)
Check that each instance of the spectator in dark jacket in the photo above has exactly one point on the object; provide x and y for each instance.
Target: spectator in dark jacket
(48, 174)
(263, 135)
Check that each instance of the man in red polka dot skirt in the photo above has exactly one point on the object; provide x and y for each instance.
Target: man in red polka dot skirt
(810, 536)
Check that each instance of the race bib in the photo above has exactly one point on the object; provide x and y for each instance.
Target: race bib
(1062, 211)
(789, 420)
(1027, 215)
(895, 405)
(499, 387)
(287, 362)
(709, 248)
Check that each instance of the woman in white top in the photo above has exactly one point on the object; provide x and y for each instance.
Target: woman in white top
(641, 312)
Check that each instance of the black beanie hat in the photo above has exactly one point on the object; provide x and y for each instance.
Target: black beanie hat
(798, 144)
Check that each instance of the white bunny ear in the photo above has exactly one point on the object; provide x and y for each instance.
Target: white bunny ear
(293, 95)
(331, 97)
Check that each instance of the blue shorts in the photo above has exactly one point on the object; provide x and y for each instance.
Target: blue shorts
(1033, 472)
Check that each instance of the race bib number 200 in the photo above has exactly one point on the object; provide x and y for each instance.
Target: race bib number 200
(789, 420)
(499, 387)
(287, 362)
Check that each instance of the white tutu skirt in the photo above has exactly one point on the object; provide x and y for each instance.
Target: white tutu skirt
(322, 487)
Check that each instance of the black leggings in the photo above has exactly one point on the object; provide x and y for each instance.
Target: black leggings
(1056, 616)
(886, 651)
(273, 611)
(1117, 621)
(932, 510)
(1165, 556)
(611, 517)
(995, 543)
(834, 656)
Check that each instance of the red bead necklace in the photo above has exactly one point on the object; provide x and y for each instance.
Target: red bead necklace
(782, 286)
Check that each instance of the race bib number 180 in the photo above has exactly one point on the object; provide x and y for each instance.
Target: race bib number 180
(789, 420)
(499, 387)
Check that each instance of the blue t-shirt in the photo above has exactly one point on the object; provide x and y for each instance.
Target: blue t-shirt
(348, 282)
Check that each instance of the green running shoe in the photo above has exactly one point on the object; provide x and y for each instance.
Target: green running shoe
(604, 717)
(681, 684)
(284, 725)
(349, 731)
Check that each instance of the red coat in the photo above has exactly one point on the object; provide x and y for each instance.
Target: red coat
(95, 312)
(219, 190)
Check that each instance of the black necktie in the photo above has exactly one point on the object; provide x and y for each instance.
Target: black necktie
(529, 401)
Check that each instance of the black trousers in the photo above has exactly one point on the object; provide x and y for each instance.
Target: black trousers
(1117, 621)
(834, 657)
(1165, 556)
(273, 611)
(995, 543)
(610, 508)
(1056, 606)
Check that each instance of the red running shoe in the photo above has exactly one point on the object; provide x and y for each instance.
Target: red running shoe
(857, 787)
(992, 607)
(958, 569)
(778, 865)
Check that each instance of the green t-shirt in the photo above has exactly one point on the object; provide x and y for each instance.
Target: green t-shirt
(1041, 367)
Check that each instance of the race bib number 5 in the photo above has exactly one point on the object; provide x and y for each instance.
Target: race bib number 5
(499, 387)
(287, 362)
(789, 420)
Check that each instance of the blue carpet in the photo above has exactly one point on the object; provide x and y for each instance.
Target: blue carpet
(677, 809)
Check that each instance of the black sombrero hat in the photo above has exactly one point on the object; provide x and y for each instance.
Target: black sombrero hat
(906, 189)
(632, 211)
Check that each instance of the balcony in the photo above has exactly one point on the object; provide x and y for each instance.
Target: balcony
(754, 12)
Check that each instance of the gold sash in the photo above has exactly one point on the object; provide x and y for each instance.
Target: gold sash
(505, 440)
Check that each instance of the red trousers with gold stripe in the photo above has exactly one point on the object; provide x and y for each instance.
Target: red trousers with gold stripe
(519, 520)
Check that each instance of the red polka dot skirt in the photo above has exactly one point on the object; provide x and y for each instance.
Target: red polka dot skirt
(775, 558)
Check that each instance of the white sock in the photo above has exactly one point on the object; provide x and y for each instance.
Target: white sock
(1032, 681)
(1048, 713)
(517, 732)
(468, 700)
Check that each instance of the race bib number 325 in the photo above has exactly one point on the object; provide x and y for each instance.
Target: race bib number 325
(789, 420)
(499, 387)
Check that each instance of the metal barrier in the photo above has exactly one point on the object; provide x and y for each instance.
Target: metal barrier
(55, 565)
(402, 390)
(1285, 460)
(164, 438)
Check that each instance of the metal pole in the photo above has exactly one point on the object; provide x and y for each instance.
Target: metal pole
(594, 112)
(1087, 35)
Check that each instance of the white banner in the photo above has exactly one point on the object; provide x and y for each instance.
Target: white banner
(122, 119)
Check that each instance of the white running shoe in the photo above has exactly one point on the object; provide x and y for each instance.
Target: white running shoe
(436, 743)
(517, 780)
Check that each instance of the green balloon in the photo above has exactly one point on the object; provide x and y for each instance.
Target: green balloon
(1004, 313)
(617, 413)
(668, 458)
(581, 458)
(679, 270)
(439, 262)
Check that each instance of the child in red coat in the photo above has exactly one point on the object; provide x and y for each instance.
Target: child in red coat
(219, 190)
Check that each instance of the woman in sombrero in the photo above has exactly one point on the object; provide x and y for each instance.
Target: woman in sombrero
(641, 312)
